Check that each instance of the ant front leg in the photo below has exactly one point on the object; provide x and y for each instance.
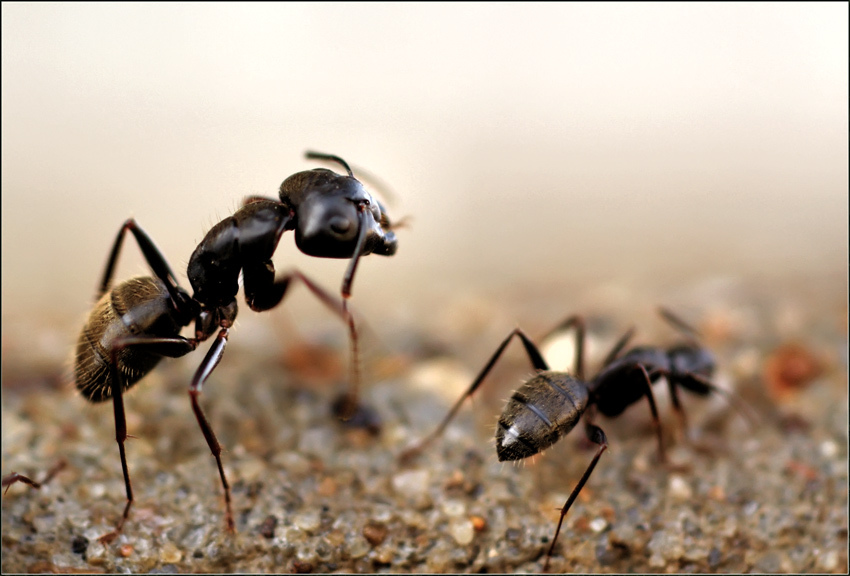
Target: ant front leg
(536, 360)
(597, 436)
(211, 360)
(163, 346)
(703, 386)
(263, 292)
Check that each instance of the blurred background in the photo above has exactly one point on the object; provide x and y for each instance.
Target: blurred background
(536, 148)
(553, 159)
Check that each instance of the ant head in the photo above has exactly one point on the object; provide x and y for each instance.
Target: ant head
(330, 210)
(687, 358)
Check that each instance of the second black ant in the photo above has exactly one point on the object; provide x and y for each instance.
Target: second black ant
(550, 404)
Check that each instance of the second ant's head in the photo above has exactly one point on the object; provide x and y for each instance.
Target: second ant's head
(330, 209)
(687, 358)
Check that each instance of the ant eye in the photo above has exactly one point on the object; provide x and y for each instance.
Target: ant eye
(339, 224)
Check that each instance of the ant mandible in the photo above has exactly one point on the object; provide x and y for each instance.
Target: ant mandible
(138, 322)
(550, 404)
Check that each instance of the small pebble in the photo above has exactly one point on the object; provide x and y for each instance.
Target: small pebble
(96, 555)
(293, 462)
(79, 544)
(375, 532)
(327, 487)
(679, 489)
(412, 483)
(598, 525)
(309, 520)
(462, 531)
(319, 441)
(384, 555)
(454, 508)
(358, 547)
(126, 550)
(301, 567)
(267, 527)
(170, 554)
(829, 449)
(717, 493)
(829, 561)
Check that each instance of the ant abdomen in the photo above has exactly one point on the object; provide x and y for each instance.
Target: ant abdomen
(541, 411)
(141, 305)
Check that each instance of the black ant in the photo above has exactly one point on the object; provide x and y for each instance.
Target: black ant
(138, 322)
(550, 404)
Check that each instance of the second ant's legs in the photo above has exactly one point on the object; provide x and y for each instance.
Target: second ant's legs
(618, 347)
(673, 387)
(578, 322)
(703, 386)
(536, 360)
(597, 436)
(656, 421)
(164, 346)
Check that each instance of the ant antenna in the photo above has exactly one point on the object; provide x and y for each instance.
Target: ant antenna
(333, 158)
(679, 324)
(363, 175)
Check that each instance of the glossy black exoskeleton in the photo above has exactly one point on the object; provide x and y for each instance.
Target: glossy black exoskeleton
(550, 404)
(138, 322)
(686, 365)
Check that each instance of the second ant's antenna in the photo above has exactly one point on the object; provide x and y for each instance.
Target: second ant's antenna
(680, 324)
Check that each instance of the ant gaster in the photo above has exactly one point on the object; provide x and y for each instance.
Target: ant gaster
(550, 404)
(137, 323)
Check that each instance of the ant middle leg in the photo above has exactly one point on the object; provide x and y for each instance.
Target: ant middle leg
(597, 436)
(653, 408)
(536, 360)
(209, 364)
(172, 347)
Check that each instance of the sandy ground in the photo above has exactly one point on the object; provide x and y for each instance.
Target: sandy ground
(310, 494)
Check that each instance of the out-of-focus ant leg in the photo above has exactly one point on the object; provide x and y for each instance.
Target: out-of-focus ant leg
(577, 322)
(536, 360)
(597, 436)
(618, 347)
(656, 421)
